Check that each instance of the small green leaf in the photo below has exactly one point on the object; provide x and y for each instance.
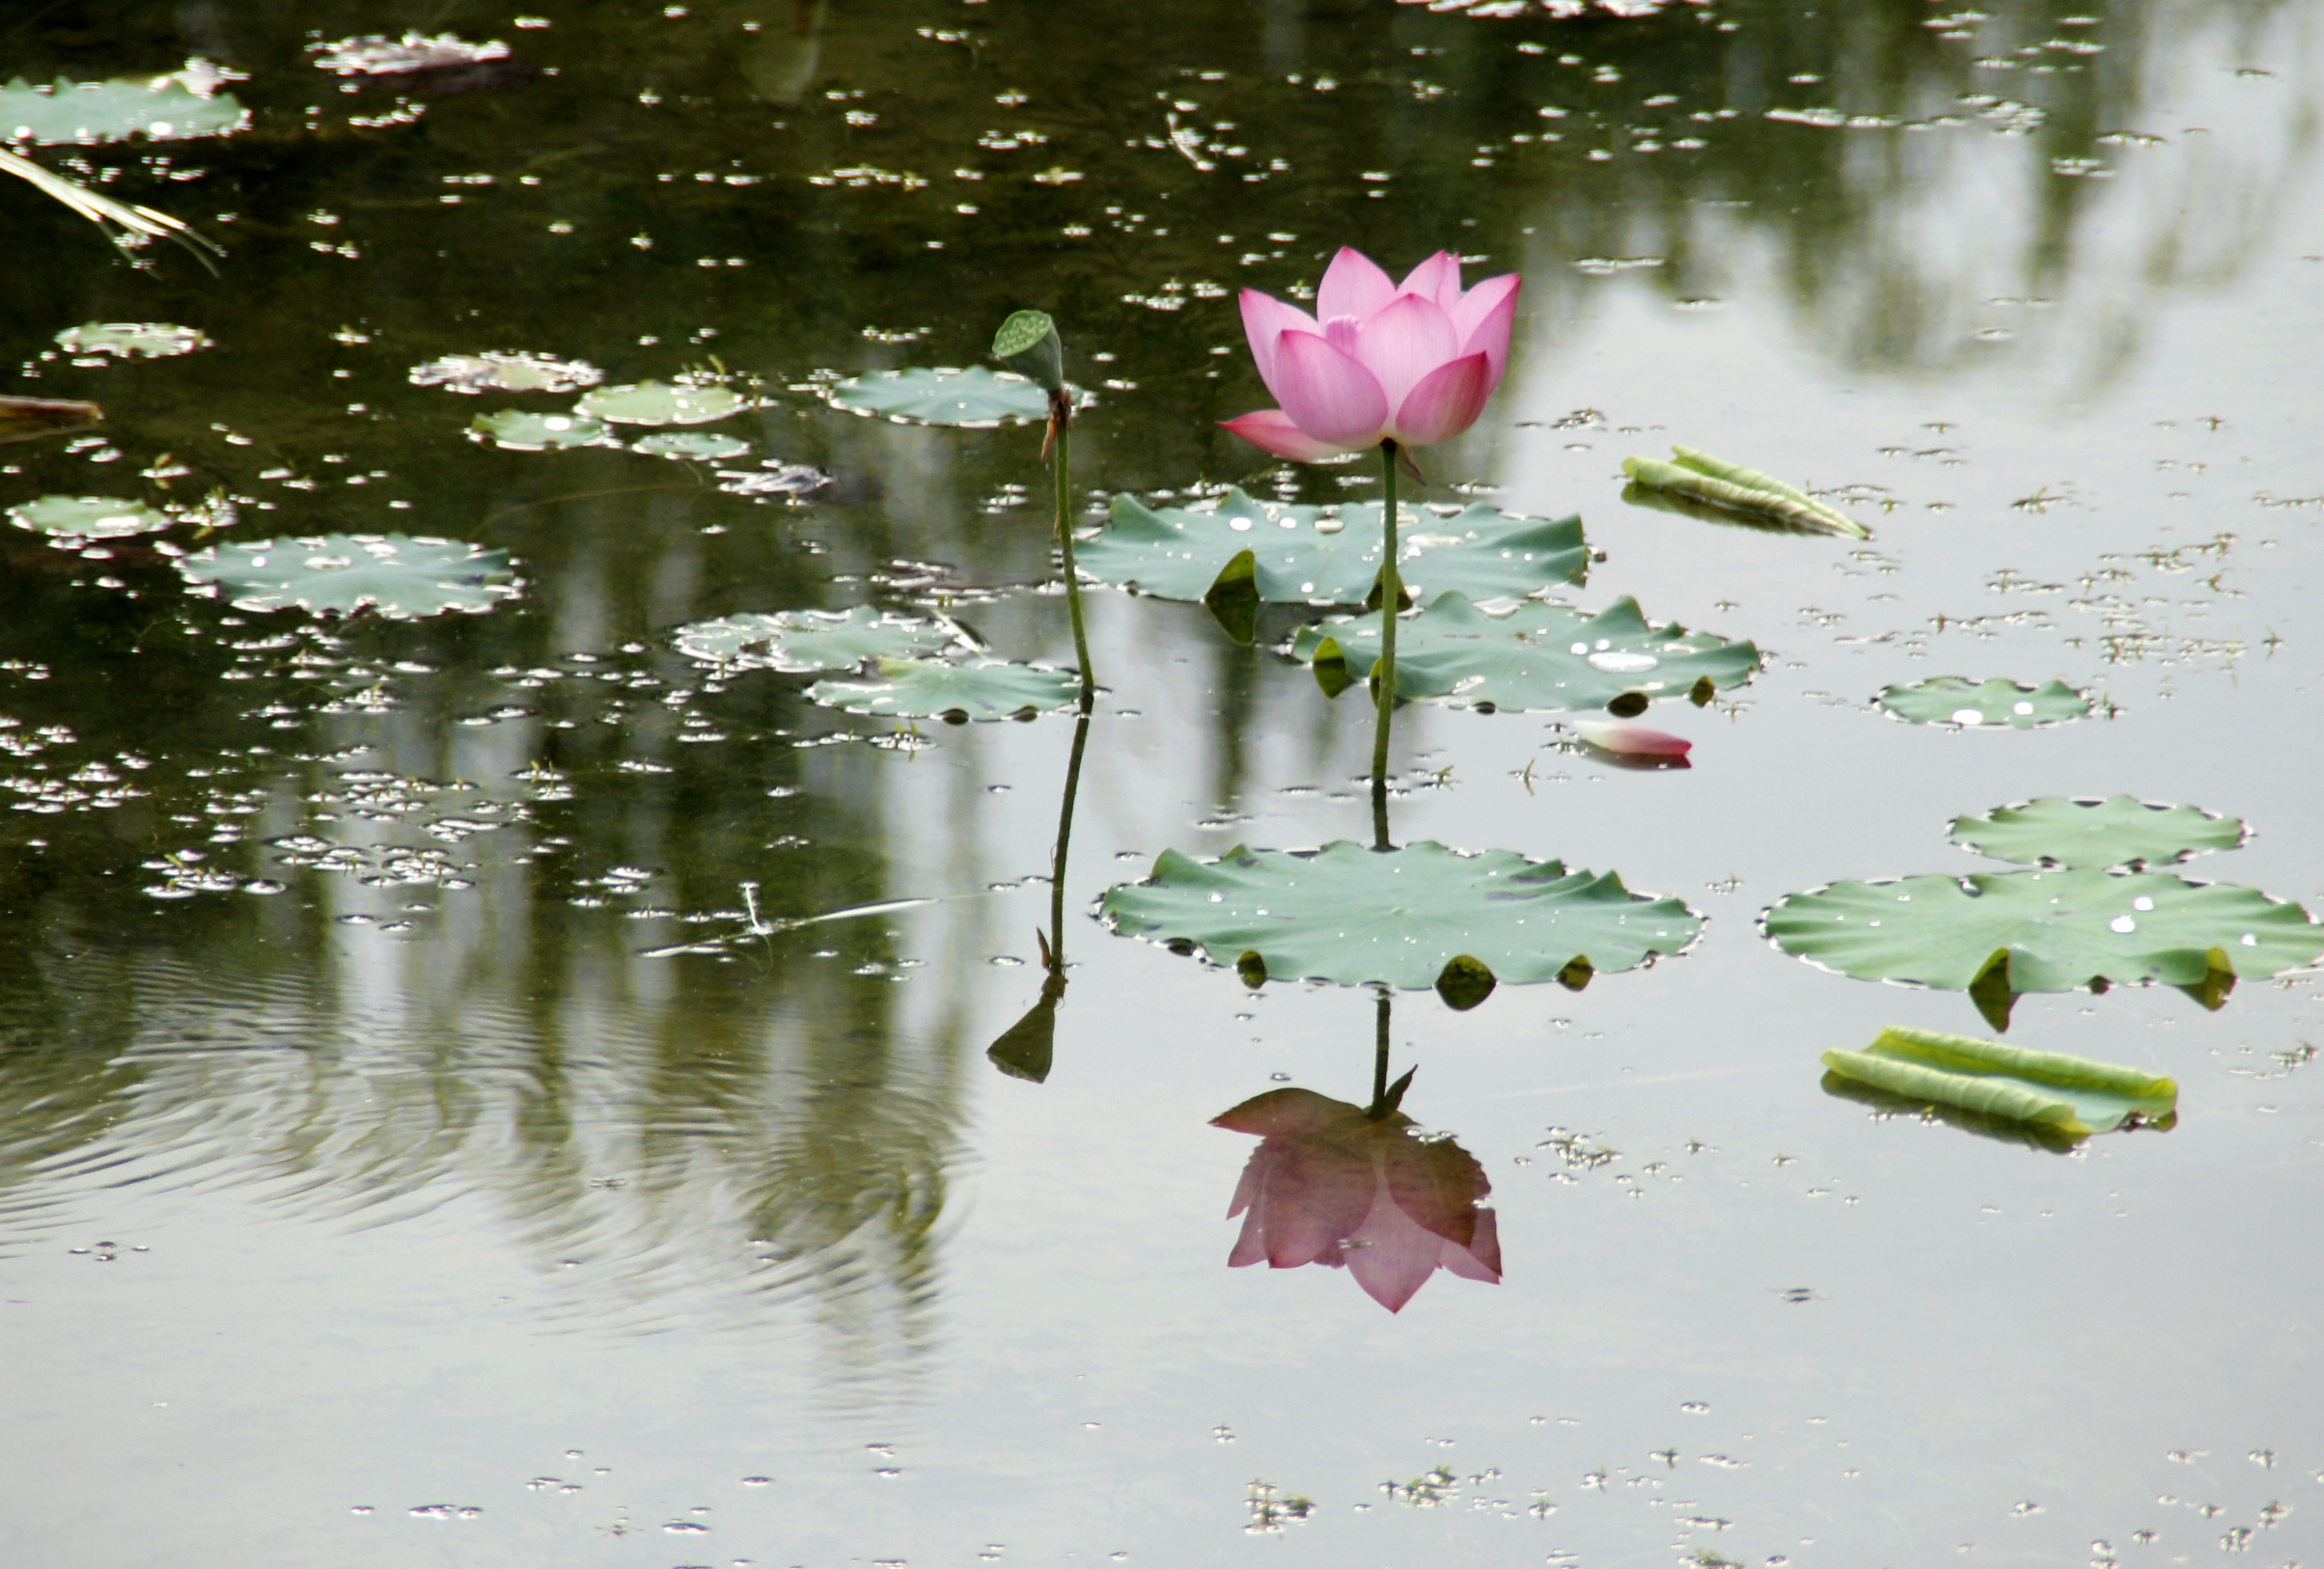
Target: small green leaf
(161, 108)
(2073, 1095)
(975, 398)
(2120, 831)
(1541, 656)
(88, 517)
(655, 402)
(519, 430)
(399, 576)
(932, 689)
(1354, 915)
(131, 340)
(802, 642)
(1329, 666)
(1464, 983)
(1233, 601)
(1952, 699)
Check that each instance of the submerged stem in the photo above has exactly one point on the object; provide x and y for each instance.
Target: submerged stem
(1392, 593)
(1062, 422)
(1380, 1056)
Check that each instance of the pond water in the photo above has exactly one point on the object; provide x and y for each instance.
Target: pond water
(432, 1130)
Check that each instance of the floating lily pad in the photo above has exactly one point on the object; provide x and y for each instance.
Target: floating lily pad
(657, 402)
(2120, 831)
(1306, 554)
(161, 108)
(806, 641)
(1351, 914)
(1539, 656)
(708, 445)
(131, 340)
(1952, 699)
(399, 576)
(505, 372)
(2044, 931)
(2070, 1097)
(374, 55)
(932, 689)
(974, 398)
(88, 517)
(521, 432)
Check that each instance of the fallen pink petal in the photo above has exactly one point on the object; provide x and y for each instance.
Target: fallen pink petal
(1631, 740)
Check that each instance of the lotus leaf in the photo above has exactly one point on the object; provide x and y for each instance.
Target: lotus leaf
(131, 340)
(399, 576)
(932, 689)
(1352, 915)
(88, 517)
(521, 432)
(163, 108)
(655, 402)
(805, 641)
(975, 398)
(2121, 830)
(1951, 700)
(708, 446)
(2044, 931)
(1698, 479)
(2071, 1096)
(1303, 555)
(1541, 656)
(505, 372)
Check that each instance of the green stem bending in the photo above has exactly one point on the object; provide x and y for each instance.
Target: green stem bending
(1392, 595)
(1064, 426)
(1064, 841)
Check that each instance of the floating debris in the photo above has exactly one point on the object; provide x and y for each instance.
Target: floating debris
(796, 481)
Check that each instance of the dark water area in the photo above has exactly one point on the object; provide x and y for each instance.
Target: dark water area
(492, 1088)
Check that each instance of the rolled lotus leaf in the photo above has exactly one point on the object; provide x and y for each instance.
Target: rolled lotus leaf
(1703, 463)
(1686, 482)
(2073, 1095)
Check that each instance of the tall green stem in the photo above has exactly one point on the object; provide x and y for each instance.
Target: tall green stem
(1065, 542)
(1379, 1054)
(1064, 839)
(1392, 595)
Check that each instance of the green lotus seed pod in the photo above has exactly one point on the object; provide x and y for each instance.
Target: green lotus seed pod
(1028, 344)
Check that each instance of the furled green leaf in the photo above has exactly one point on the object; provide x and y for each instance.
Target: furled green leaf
(1539, 656)
(701, 446)
(657, 402)
(2073, 1095)
(1952, 699)
(976, 398)
(811, 641)
(161, 108)
(399, 576)
(932, 689)
(1701, 477)
(88, 517)
(519, 430)
(1307, 555)
(1351, 914)
(131, 340)
(2120, 831)
(2050, 930)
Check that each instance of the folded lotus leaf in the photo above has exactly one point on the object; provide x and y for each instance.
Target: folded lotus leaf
(2073, 1095)
(805, 641)
(2056, 931)
(1305, 555)
(1951, 700)
(1354, 915)
(975, 398)
(932, 689)
(1541, 656)
(399, 576)
(2120, 831)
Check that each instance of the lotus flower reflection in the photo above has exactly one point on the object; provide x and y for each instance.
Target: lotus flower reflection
(1411, 363)
(1332, 1185)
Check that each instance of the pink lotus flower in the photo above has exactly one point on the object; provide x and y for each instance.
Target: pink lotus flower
(1410, 363)
(1331, 1185)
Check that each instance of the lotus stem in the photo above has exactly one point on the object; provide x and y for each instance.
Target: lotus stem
(1061, 422)
(1379, 1054)
(1392, 595)
(1064, 839)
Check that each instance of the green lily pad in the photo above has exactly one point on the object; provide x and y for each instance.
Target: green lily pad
(1306, 554)
(975, 398)
(131, 340)
(657, 402)
(2071, 1096)
(1952, 699)
(804, 640)
(505, 372)
(161, 108)
(2044, 931)
(932, 689)
(2120, 831)
(399, 576)
(1541, 656)
(519, 430)
(88, 517)
(706, 446)
(1401, 918)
